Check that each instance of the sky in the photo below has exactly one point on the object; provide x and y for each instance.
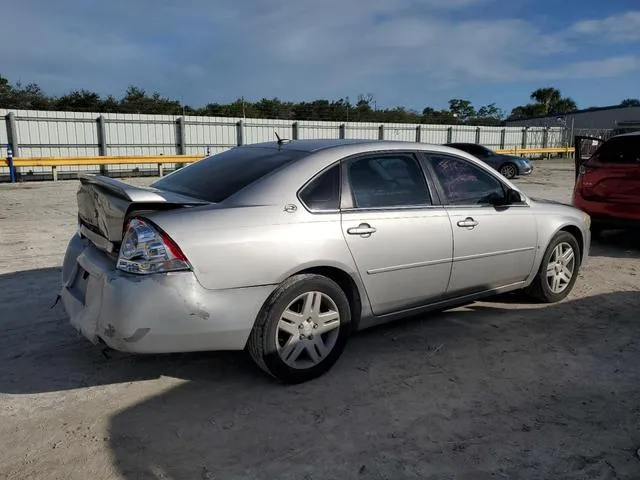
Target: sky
(413, 53)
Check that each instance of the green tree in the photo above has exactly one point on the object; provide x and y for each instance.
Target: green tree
(80, 101)
(548, 101)
(630, 102)
(462, 109)
(489, 115)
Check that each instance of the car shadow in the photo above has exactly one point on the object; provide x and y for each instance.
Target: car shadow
(484, 391)
(616, 244)
(41, 352)
(489, 389)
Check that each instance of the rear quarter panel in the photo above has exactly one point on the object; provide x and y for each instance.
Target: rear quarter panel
(255, 245)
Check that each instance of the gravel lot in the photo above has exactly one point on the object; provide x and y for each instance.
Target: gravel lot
(497, 389)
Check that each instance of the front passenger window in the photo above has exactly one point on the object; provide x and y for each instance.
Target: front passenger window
(464, 183)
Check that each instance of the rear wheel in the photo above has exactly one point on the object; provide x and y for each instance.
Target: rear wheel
(302, 329)
(508, 170)
(558, 271)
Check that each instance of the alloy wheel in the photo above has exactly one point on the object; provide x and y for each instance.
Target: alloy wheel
(561, 267)
(307, 330)
(509, 171)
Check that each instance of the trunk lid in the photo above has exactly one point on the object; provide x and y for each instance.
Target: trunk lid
(104, 204)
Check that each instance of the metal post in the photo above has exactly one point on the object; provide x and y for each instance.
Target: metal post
(294, 131)
(12, 169)
(12, 133)
(571, 139)
(524, 137)
(503, 138)
(160, 169)
(240, 132)
(545, 137)
(478, 135)
(418, 134)
(449, 135)
(545, 142)
(102, 143)
(381, 132)
(181, 143)
(208, 150)
(54, 172)
(342, 131)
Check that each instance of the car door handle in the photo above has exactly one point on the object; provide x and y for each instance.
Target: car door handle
(467, 223)
(362, 229)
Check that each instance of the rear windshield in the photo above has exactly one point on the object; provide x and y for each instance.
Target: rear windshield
(218, 177)
(621, 150)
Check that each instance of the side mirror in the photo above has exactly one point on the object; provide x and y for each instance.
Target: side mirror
(513, 196)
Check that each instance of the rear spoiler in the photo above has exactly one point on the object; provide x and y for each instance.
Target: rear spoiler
(135, 194)
(105, 203)
(121, 189)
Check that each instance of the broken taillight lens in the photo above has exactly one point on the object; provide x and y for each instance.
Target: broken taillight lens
(147, 249)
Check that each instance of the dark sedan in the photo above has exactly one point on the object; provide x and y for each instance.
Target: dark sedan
(509, 166)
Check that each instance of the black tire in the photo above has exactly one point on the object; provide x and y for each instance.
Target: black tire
(539, 289)
(508, 170)
(262, 341)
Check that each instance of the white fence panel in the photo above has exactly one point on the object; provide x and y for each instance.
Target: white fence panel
(314, 130)
(213, 134)
(257, 130)
(434, 134)
(491, 137)
(464, 134)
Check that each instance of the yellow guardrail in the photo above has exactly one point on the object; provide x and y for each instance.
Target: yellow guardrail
(113, 160)
(163, 159)
(533, 151)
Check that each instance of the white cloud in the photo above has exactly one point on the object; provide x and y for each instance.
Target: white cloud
(203, 51)
(603, 68)
(624, 27)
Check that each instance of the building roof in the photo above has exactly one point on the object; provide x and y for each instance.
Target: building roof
(575, 112)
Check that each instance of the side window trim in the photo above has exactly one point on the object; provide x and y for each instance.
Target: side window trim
(314, 178)
(346, 202)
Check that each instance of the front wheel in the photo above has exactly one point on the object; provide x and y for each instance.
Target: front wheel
(558, 271)
(302, 329)
(508, 170)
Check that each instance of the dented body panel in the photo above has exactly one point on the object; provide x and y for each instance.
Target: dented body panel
(104, 203)
(153, 314)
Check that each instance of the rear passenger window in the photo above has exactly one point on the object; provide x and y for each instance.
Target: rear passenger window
(621, 150)
(323, 193)
(387, 181)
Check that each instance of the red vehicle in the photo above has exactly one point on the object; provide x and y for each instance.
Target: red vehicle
(608, 181)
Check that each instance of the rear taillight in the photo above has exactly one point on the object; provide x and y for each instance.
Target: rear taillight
(147, 249)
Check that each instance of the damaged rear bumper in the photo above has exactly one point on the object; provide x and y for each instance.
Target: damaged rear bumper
(160, 313)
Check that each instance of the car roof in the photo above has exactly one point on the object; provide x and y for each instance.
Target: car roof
(311, 146)
(630, 134)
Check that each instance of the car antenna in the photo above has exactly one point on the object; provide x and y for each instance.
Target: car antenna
(281, 141)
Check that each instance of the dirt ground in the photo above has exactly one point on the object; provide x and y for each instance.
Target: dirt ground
(499, 389)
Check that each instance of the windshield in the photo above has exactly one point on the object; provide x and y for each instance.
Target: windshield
(489, 151)
(218, 177)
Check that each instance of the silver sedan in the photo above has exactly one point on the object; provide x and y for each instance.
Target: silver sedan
(287, 248)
